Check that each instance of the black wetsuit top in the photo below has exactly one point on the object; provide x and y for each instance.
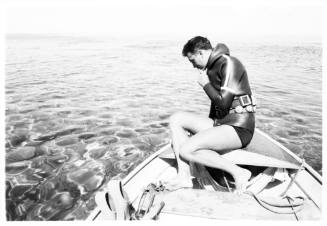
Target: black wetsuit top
(228, 79)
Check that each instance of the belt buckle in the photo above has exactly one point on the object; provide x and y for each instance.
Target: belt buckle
(245, 100)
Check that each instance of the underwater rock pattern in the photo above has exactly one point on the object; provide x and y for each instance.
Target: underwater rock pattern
(48, 176)
(67, 140)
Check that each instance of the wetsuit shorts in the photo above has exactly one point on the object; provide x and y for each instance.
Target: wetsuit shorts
(244, 134)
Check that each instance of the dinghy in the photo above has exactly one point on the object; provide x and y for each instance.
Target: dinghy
(282, 186)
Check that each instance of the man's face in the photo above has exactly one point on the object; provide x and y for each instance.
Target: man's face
(197, 60)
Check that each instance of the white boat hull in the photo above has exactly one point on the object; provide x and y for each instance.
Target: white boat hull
(221, 204)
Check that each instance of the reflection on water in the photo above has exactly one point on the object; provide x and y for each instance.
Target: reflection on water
(80, 111)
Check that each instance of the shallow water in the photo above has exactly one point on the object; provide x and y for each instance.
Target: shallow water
(80, 111)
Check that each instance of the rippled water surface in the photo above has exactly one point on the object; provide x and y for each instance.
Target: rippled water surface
(80, 111)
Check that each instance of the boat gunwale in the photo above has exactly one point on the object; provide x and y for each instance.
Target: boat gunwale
(147, 161)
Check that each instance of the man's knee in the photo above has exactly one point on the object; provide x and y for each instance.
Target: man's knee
(177, 118)
(186, 153)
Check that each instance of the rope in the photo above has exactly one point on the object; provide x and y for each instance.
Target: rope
(282, 208)
(289, 200)
(269, 206)
(226, 182)
(293, 178)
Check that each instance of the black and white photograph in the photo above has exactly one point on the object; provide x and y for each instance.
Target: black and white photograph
(162, 110)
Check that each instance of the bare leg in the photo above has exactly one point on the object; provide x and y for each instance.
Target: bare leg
(180, 123)
(205, 146)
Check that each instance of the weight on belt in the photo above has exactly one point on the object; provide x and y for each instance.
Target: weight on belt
(240, 109)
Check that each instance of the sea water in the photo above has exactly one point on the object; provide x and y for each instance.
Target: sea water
(83, 110)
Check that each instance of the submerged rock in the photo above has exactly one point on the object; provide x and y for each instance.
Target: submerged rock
(25, 153)
(38, 161)
(10, 210)
(17, 167)
(109, 168)
(57, 160)
(127, 133)
(86, 178)
(20, 154)
(42, 150)
(34, 143)
(47, 212)
(34, 214)
(53, 135)
(86, 136)
(90, 140)
(27, 109)
(72, 155)
(164, 116)
(21, 132)
(39, 116)
(16, 140)
(79, 147)
(107, 131)
(141, 130)
(47, 190)
(24, 124)
(30, 176)
(124, 122)
(155, 125)
(46, 137)
(39, 128)
(19, 191)
(62, 201)
(31, 197)
(89, 175)
(97, 153)
(78, 213)
(41, 173)
(68, 131)
(45, 170)
(164, 124)
(109, 140)
(67, 140)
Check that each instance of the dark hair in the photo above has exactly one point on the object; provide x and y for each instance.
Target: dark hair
(195, 44)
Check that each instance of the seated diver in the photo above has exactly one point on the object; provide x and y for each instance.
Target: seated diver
(231, 120)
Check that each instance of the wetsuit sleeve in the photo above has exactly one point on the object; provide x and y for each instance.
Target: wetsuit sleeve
(223, 97)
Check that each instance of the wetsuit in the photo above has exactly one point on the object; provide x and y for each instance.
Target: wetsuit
(228, 81)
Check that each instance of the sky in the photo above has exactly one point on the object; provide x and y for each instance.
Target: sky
(233, 19)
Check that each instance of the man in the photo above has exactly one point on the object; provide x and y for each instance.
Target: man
(231, 120)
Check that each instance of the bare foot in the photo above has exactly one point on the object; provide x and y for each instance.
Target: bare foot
(241, 181)
(177, 183)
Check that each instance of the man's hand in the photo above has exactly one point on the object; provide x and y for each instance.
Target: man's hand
(203, 79)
